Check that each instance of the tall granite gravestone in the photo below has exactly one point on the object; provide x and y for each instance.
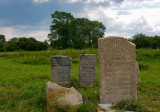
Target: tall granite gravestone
(117, 59)
(87, 69)
(61, 69)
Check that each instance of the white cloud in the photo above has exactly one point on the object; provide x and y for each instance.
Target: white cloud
(126, 18)
(109, 2)
(40, 1)
(121, 18)
(7, 31)
(85, 1)
(96, 1)
(11, 32)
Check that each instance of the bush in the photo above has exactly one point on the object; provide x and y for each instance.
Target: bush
(86, 107)
(143, 66)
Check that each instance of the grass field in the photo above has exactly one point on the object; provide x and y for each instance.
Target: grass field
(23, 76)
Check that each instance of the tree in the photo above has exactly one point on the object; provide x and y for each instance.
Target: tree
(85, 33)
(60, 29)
(41, 45)
(77, 32)
(70, 32)
(2, 41)
(11, 45)
(154, 41)
(141, 40)
(27, 44)
(159, 43)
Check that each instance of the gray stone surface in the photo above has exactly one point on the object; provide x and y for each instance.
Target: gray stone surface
(61, 69)
(87, 69)
(117, 59)
(58, 95)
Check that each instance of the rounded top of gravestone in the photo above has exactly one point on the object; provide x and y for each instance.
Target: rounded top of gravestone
(88, 57)
(59, 56)
(116, 37)
(112, 37)
(61, 60)
(87, 54)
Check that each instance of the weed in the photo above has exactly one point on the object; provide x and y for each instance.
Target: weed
(131, 105)
(143, 66)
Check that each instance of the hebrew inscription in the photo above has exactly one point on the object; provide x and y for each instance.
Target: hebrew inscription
(87, 69)
(117, 69)
(61, 69)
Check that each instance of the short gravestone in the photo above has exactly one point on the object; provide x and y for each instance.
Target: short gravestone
(117, 59)
(87, 69)
(60, 96)
(61, 69)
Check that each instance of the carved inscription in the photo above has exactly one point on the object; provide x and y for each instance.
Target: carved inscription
(61, 69)
(117, 69)
(87, 69)
(87, 74)
(60, 74)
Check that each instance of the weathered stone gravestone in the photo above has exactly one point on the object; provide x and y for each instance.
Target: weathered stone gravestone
(87, 69)
(58, 95)
(117, 59)
(61, 69)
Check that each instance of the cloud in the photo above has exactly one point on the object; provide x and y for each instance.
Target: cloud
(40, 1)
(121, 17)
(103, 2)
(23, 31)
(126, 17)
(89, 1)
(7, 31)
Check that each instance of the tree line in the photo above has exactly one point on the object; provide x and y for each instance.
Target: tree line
(22, 43)
(143, 41)
(66, 31)
(31, 44)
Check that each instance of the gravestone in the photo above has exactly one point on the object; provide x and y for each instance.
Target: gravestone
(61, 69)
(87, 69)
(117, 59)
(61, 96)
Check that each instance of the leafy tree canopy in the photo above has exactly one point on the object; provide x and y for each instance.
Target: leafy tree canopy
(69, 32)
(143, 41)
(2, 41)
(23, 43)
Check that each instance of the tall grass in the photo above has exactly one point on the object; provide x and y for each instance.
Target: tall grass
(23, 76)
(43, 57)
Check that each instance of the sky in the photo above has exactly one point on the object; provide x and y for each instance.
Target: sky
(125, 18)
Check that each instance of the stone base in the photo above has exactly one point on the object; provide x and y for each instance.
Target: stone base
(61, 96)
(107, 108)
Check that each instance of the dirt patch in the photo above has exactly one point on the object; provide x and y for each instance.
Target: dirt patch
(43, 77)
(9, 96)
(143, 89)
(158, 86)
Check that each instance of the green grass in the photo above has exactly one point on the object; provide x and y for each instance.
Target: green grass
(23, 76)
